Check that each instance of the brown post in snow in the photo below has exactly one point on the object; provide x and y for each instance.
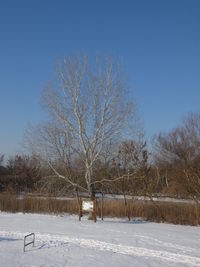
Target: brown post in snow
(99, 209)
(102, 207)
(95, 210)
(80, 210)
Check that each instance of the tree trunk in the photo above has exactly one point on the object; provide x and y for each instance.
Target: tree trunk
(88, 177)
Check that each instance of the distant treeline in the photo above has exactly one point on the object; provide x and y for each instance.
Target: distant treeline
(172, 168)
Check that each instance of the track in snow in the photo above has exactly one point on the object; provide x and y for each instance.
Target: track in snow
(63, 240)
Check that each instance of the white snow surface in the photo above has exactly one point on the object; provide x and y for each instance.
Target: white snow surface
(64, 241)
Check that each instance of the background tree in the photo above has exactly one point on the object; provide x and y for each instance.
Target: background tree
(23, 173)
(129, 163)
(1, 159)
(178, 153)
(89, 107)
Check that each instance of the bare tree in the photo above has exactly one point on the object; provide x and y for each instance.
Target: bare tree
(180, 150)
(181, 144)
(130, 162)
(89, 107)
(1, 159)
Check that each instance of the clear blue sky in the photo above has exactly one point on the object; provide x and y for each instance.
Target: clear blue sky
(159, 42)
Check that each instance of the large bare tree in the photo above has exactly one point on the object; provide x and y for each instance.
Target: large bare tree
(90, 106)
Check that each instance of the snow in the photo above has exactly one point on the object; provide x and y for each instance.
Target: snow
(64, 241)
(114, 197)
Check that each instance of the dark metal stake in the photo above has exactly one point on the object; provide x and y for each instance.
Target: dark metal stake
(32, 242)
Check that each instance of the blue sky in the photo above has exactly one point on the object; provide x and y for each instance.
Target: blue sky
(158, 41)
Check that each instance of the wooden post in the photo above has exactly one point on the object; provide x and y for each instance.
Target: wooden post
(81, 207)
(80, 210)
(102, 206)
(128, 207)
(95, 210)
(99, 209)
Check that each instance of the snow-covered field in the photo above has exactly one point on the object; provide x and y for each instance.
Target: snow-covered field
(64, 241)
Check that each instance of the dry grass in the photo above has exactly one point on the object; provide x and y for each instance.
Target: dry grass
(177, 213)
(37, 205)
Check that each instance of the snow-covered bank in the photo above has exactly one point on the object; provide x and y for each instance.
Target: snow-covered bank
(64, 241)
(115, 197)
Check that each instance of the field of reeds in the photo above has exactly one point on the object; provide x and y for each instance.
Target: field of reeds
(170, 212)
